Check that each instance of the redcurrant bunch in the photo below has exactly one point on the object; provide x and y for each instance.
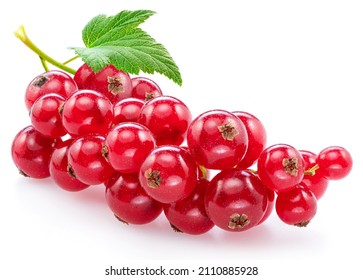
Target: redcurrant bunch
(121, 132)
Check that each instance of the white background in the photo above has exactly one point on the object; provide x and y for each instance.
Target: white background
(296, 65)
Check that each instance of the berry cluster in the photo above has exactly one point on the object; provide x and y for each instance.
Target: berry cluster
(152, 156)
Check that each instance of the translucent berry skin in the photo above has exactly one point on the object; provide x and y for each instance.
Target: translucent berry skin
(270, 205)
(316, 182)
(87, 112)
(58, 168)
(235, 200)
(112, 83)
(188, 215)
(296, 206)
(83, 75)
(31, 152)
(280, 167)
(168, 174)
(45, 116)
(168, 119)
(256, 138)
(127, 110)
(53, 81)
(334, 162)
(86, 162)
(217, 139)
(127, 146)
(144, 88)
(129, 201)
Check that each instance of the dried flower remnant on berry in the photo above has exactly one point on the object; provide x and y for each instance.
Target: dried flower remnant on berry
(148, 96)
(40, 81)
(302, 224)
(238, 221)
(228, 131)
(174, 228)
(115, 85)
(153, 178)
(291, 166)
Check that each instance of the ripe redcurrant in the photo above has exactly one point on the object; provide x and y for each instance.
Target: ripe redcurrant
(296, 206)
(31, 152)
(168, 174)
(334, 162)
(217, 139)
(53, 81)
(144, 88)
(236, 200)
(280, 167)
(168, 119)
(128, 200)
(87, 112)
(127, 110)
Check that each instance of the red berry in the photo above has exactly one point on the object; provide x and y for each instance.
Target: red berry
(144, 88)
(217, 139)
(270, 205)
(127, 110)
(280, 167)
(236, 200)
(335, 162)
(296, 206)
(87, 112)
(112, 83)
(256, 138)
(315, 181)
(86, 162)
(83, 75)
(45, 116)
(59, 171)
(31, 152)
(53, 81)
(129, 201)
(168, 174)
(167, 118)
(127, 145)
(188, 215)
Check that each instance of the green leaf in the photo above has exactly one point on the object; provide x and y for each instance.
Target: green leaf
(117, 40)
(101, 26)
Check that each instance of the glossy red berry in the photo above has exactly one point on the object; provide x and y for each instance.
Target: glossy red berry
(127, 110)
(167, 118)
(53, 81)
(86, 162)
(59, 169)
(168, 174)
(128, 200)
(236, 200)
(296, 206)
(87, 112)
(112, 83)
(188, 215)
(144, 88)
(83, 75)
(270, 205)
(127, 145)
(334, 162)
(217, 139)
(256, 138)
(280, 167)
(314, 181)
(31, 152)
(45, 116)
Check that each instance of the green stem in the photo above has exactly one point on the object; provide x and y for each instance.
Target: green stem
(20, 34)
(70, 60)
(44, 63)
(311, 171)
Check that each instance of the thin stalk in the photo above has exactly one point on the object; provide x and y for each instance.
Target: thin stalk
(22, 36)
